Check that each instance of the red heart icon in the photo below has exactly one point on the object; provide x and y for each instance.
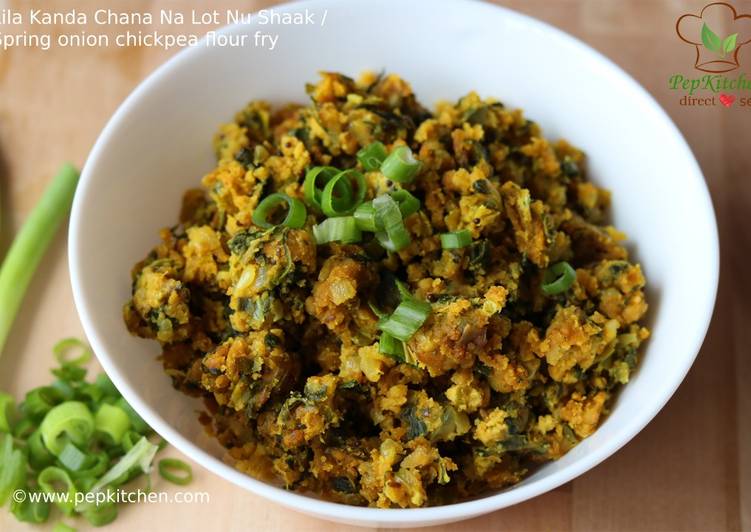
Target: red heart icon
(727, 99)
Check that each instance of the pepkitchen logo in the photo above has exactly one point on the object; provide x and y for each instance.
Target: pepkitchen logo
(718, 34)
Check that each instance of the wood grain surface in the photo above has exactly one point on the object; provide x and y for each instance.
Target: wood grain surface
(690, 469)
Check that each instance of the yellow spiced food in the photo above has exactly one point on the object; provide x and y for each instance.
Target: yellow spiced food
(389, 306)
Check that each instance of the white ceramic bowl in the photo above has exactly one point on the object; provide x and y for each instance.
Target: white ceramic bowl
(158, 144)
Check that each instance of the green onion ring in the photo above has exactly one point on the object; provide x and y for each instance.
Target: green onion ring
(310, 189)
(71, 418)
(558, 278)
(343, 229)
(343, 206)
(48, 480)
(401, 165)
(408, 204)
(111, 421)
(168, 465)
(63, 347)
(296, 213)
(456, 239)
(395, 237)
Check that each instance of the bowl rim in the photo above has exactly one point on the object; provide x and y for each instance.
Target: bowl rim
(411, 516)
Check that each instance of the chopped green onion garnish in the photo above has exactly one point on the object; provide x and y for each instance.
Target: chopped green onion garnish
(39, 455)
(342, 229)
(406, 319)
(365, 216)
(31, 511)
(558, 278)
(72, 458)
(141, 456)
(401, 166)
(13, 470)
(169, 465)
(62, 527)
(388, 345)
(408, 204)
(310, 185)
(138, 424)
(112, 421)
(62, 348)
(101, 514)
(332, 205)
(456, 239)
(72, 419)
(296, 213)
(372, 156)
(56, 480)
(395, 235)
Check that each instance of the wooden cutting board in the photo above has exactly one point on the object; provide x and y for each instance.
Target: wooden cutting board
(690, 469)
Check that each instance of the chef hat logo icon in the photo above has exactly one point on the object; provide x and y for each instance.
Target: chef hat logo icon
(718, 33)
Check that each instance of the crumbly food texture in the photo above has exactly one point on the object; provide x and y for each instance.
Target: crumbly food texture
(278, 337)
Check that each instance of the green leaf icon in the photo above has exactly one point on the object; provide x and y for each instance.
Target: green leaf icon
(710, 39)
(728, 45)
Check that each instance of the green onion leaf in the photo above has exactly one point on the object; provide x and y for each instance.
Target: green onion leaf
(55, 480)
(62, 527)
(94, 466)
(456, 239)
(168, 465)
(388, 345)
(30, 244)
(310, 185)
(401, 165)
(372, 156)
(406, 319)
(333, 205)
(296, 213)
(342, 229)
(395, 235)
(72, 419)
(63, 347)
(558, 278)
(7, 412)
(366, 219)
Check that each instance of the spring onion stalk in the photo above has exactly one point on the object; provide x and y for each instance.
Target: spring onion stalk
(140, 456)
(30, 244)
(406, 319)
(558, 278)
(401, 165)
(343, 229)
(372, 156)
(31, 511)
(296, 213)
(456, 239)
(168, 467)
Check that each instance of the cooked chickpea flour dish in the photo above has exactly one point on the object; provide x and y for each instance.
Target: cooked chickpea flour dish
(390, 307)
